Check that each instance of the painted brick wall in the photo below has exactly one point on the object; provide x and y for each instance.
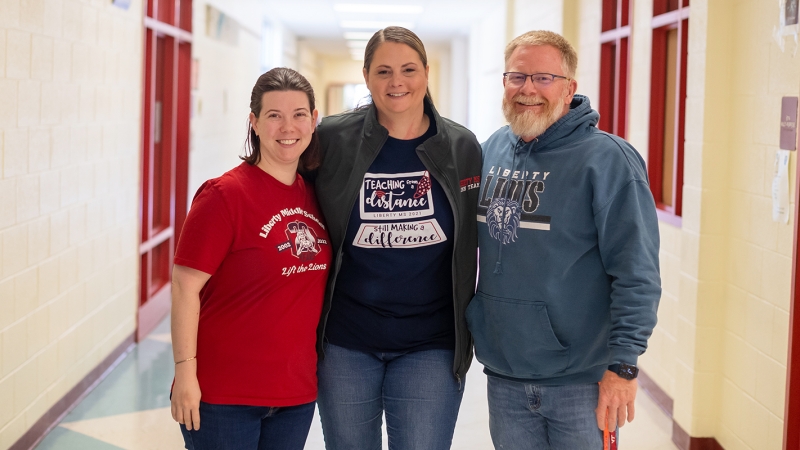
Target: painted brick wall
(659, 360)
(720, 346)
(758, 281)
(588, 48)
(70, 95)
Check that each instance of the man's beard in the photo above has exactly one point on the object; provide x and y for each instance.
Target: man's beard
(530, 123)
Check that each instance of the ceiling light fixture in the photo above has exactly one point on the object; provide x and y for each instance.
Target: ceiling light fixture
(373, 24)
(377, 9)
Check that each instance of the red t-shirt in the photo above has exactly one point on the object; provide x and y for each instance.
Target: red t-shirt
(268, 254)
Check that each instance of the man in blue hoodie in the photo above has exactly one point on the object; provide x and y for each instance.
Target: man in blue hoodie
(569, 278)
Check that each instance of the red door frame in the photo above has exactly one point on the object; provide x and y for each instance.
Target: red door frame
(164, 164)
(614, 50)
(791, 434)
(662, 22)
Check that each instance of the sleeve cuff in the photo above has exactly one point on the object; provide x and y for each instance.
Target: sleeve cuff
(621, 355)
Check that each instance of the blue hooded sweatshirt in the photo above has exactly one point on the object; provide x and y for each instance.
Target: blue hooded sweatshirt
(568, 236)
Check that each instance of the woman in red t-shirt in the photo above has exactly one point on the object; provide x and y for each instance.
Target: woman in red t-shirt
(248, 282)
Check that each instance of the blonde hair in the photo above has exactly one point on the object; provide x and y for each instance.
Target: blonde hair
(569, 59)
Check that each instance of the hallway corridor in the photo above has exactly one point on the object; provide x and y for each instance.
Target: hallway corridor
(129, 409)
(113, 113)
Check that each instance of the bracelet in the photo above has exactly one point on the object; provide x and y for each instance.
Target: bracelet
(188, 359)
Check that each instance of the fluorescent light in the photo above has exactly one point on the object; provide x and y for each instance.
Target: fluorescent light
(358, 35)
(373, 24)
(360, 45)
(377, 9)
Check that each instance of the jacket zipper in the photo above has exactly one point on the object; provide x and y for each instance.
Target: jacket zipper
(338, 266)
(456, 222)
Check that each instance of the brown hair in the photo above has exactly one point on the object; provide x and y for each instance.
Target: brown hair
(569, 59)
(280, 79)
(399, 35)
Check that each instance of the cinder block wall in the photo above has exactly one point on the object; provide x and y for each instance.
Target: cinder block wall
(720, 346)
(660, 361)
(70, 96)
(758, 268)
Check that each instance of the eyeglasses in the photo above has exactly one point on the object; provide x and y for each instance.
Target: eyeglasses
(540, 80)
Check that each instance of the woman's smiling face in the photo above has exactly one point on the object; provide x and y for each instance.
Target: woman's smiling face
(397, 79)
(284, 126)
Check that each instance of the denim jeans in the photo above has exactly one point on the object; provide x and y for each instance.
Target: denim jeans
(236, 427)
(416, 390)
(527, 416)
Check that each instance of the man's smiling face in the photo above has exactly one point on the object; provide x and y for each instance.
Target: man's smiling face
(529, 109)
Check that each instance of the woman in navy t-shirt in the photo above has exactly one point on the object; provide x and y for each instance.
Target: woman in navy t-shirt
(397, 187)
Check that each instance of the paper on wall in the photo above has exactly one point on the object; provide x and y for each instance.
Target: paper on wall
(780, 187)
(783, 29)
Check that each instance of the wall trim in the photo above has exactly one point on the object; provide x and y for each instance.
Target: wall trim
(679, 436)
(685, 442)
(655, 392)
(70, 400)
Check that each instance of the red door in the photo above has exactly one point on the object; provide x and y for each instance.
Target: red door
(791, 419)
(165, 151)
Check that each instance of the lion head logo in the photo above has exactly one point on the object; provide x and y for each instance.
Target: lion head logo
(503, 219)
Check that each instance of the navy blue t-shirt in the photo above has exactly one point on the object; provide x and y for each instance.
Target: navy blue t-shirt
(394, 289)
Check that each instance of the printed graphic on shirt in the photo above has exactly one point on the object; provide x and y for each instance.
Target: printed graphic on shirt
(424, 185)
(395, 196)
(301, 239)
(502, 218)
(470, 183)
(389, 198)
(286, 213)
(399, 235)
(509, 200)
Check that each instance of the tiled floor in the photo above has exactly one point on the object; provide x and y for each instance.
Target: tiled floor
(130, 410)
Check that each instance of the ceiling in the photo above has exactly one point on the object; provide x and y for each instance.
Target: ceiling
(319, 22)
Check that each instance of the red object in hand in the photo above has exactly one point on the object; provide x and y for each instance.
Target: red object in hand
(424, 185)
(609, 437)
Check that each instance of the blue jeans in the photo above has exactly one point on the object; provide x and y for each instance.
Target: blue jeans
(417, 391)
(528, 416)
(236, 427)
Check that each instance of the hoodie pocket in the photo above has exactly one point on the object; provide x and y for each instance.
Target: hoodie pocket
(515, 337)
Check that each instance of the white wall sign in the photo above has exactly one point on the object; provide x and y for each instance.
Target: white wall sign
(780, 187)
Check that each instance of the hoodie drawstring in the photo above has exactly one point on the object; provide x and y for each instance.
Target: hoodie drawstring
(498, 267)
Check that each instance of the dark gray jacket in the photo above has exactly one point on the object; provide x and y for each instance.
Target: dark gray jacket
(349, 143)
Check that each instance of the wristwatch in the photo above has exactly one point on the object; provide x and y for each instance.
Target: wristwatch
(626, 371)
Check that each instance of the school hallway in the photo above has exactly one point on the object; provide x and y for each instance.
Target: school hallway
(114, 112)
(129, 409)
